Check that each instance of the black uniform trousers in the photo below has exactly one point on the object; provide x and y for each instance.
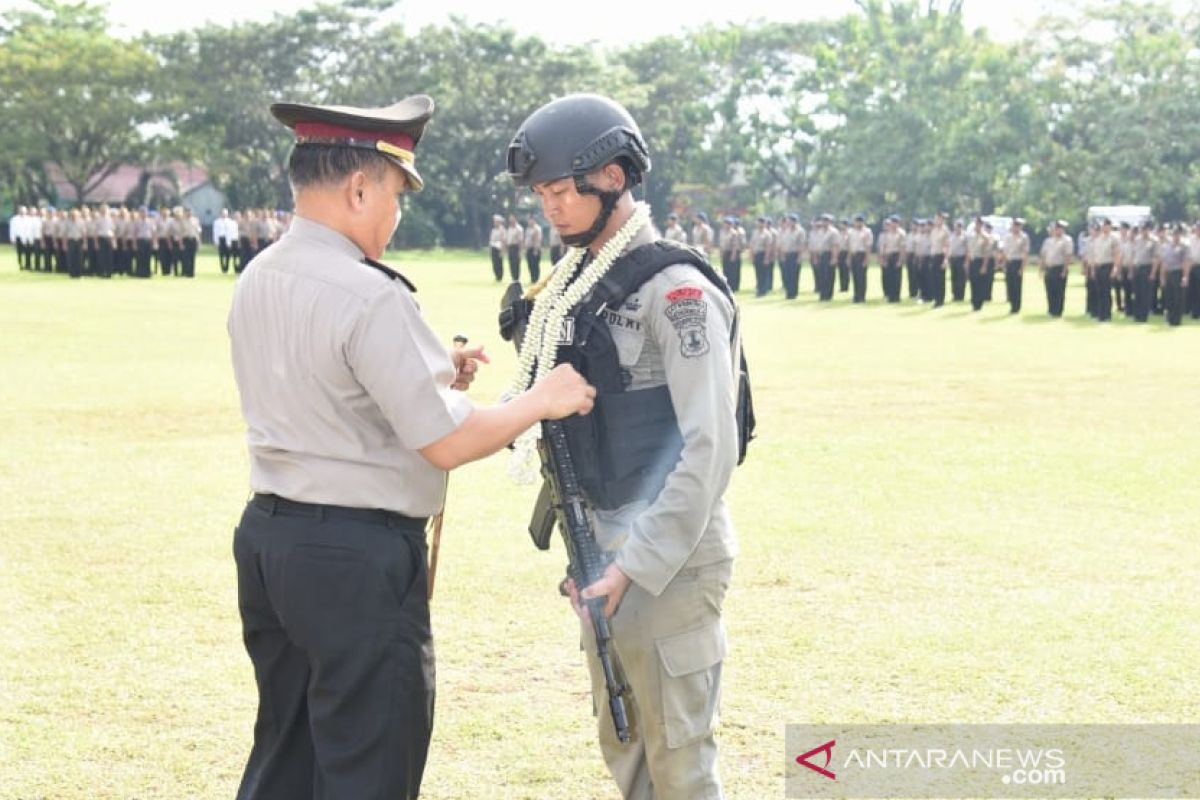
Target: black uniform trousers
(843, 270)
(497, 262)
(731, 265)
(555, 254)
(1173, 296)
(75, 257)
(223, 254)
(1102, 281)
(913, 283)
(143, 258)
(49, 253)
(514, 261)
(790, 272)
(1013, 283)
(979, 278)
(858, 272)
(335, 619)
(104, 256)
(1127, 282)
(762, 277)
(534, 259)
(935, 280)
(889, 273)
(1193, 292)
(825, 275)
(245, 253)
(1119, 296)
(1142, 297)
(190, 246)
(1056, 290)
(958, 278)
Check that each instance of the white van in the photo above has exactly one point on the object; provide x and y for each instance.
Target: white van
(1134, 215)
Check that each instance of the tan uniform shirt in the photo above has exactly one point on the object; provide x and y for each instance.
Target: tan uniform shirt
(1056, 251)
(859, 240)
(939, 241)
(341, 380)
(533, 237)
(1016, 246)
(1105, 249)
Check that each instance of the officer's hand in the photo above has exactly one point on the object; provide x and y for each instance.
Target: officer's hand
(567, 588)
(564, 392)
(466, 363)
(613, 583)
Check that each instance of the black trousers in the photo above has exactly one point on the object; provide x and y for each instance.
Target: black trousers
(889, 271)
(143, 258)
(858, 272)
(555, 254)
(514, 261)
(75, 257)
(104, 257)
(843, 271)
(223, 254)
(245, 253)
(1143, 299)
(1056, 290)
(1127, 282)
(497, 262)
(1173, 296)
(534, 259)
(1193, 292)
(1102, 281)
(913, 283)
(935, 280)
(335, 620)
(958, 278)
(1013, 283)
(22, 254)
(1119, 296)
(825, 275)
(790, 273)
(49, 253)
(979, 277)
(731, 265)
(190, 246)
(762, 275)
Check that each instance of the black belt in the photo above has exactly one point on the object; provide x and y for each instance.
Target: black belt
(274, 504)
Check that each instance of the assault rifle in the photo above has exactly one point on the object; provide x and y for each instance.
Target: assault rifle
(562, 500)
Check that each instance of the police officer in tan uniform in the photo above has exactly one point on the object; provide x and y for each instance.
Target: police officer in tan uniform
(702, 237)
(496, 240)
(1171, 272)
(533, 248)
(1054, 262)
(514, 238)
(354, 413)
(892, 247)
(1193, 276)
(671, 548)
(791, 246)
(1016, 251)
(674, 231)
(858, 243)
(1105, 257)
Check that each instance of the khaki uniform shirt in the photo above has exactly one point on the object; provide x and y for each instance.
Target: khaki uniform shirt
(759, 240)
(1105, 249)
(341, 381)
(676, 233)
(514, 235)
(892, 242)
(1056, 251)
(1194, 250)
(675, 330)
(1145, 248)
(1174, 257)
(859, 240)
(822, 240)
(958, 245)
(703, 237)
(496, 239)
(533, 238)
(939, 241)
(1016, 246)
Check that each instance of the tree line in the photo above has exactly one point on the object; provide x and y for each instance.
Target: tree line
(898, 107)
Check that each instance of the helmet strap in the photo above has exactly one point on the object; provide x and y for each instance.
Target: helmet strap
(608, 202)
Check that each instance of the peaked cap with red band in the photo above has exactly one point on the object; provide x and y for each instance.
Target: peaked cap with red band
(393, 132)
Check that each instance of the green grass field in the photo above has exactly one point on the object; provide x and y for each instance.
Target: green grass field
(947, 517)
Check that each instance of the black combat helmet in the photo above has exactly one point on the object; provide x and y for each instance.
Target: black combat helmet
(575, 135)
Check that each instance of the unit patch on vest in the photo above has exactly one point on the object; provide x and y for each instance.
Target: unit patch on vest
(566, 334)
(688, 312)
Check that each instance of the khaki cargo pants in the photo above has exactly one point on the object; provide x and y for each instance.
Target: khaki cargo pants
(670, 648)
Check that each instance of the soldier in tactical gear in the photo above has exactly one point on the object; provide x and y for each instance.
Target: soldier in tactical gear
(666, 389)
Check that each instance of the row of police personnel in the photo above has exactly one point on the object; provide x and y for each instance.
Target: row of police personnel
(1145, 270)
(518, 241)
(105, 241)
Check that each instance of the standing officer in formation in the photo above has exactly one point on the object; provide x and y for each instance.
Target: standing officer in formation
(822, 248)
(1171, 274)
(790, 242)
(671, 544)
(1125, 274)
(556, 245)
(979, 253)
(1016, 251)
(533, 248)
(1104, 255)
(224, 233)
(730, 244)
(760, 242)
(674, 231)
(354, 414)
(17, 227)
(514, 238)
(703, 238)
(843, 254)
(496, 244)
(939, 251)
(892, 247)
(1193, 278)
(1054, 263)
(958, 261)
(1145, 254)
(858, 242)
(189, 233)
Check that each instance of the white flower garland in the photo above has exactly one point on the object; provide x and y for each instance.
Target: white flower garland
(560, 295)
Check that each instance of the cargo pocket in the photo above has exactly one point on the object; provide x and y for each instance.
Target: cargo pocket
(691, 679)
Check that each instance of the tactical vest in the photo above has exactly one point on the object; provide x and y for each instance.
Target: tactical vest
(630, 442)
